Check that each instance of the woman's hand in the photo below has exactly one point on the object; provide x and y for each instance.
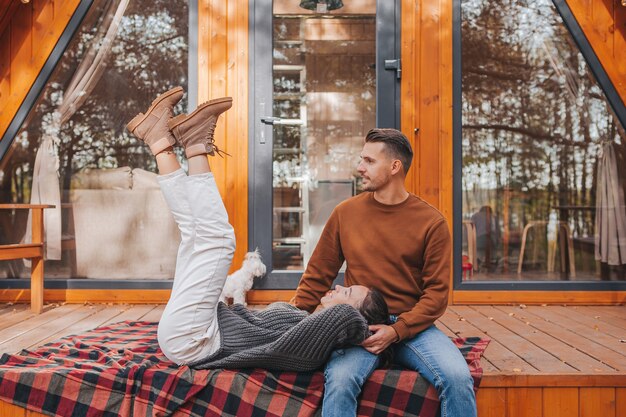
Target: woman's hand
(381, 339)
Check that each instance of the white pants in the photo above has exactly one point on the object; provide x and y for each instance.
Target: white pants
(188, 330)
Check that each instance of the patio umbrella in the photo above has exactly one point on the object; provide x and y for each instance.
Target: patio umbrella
(610, 211)
(46, 186)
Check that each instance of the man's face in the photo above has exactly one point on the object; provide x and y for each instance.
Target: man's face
(375, 166)
(352, 295)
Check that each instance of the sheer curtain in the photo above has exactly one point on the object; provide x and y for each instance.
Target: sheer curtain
(46, 186)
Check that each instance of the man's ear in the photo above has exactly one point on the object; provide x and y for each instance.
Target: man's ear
(396, 167)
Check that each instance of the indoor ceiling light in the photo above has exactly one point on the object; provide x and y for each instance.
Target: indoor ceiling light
(322, 6)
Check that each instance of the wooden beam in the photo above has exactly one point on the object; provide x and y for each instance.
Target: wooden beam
(616, 379)
(540, 297)
(20, 251)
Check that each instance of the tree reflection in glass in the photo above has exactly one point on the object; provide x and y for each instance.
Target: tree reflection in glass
(533, 124)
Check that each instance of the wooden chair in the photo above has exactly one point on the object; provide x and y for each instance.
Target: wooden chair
(564, 240)
(33, 251)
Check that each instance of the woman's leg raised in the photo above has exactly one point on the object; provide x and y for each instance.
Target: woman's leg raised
(189, 329)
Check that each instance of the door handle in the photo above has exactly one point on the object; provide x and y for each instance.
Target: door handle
(270, 120)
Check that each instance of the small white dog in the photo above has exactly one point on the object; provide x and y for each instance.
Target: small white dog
(239, 282)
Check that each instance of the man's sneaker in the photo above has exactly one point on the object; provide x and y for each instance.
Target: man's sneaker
(194, 131)
(151, 127)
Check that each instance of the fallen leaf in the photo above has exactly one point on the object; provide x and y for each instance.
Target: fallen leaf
(511, 314)
(522, 306)
(622, 340)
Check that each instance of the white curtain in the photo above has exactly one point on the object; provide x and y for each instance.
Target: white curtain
(610, 211)
(46, 186)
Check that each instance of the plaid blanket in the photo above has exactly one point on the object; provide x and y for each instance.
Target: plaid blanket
(118, 370)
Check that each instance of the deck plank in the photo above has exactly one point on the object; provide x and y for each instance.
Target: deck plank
(564, 352)
(8, 308)
(133, 313)
(20, 314)
(485, 363)
(498, 356)
(13, 308)
(97, 319)
(55, 324)
(155, 314)
(535, 356)
(605, 316)
(589, 332)
(18, 328)
(588, 347)
(572, 314)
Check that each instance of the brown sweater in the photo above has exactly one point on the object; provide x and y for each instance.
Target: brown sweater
(402, 250)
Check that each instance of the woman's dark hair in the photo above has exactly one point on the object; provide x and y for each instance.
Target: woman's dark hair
(374, 308)
(375, 311)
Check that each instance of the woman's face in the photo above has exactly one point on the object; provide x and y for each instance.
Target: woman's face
(352, 295)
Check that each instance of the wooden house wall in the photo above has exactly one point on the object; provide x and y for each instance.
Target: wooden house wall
(426, 93)
(26, 40)
(604, 25)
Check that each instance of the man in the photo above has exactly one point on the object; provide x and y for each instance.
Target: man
(400, 245)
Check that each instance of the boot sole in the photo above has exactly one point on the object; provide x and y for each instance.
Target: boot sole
(181, 117)
(137, 120)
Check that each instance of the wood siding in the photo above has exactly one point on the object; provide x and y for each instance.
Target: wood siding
(604, 25)
(223, 71)
(25, 44)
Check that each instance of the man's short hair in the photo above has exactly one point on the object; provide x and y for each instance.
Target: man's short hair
(396, 145)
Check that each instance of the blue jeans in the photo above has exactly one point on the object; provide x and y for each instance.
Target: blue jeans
(431, 353)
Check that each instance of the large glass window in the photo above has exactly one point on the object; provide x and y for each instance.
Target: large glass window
(115, 223)
(544, 157)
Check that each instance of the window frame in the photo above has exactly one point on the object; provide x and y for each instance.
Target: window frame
(614, 101)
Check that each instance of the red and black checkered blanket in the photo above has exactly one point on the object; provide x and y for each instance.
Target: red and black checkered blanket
(119, 370)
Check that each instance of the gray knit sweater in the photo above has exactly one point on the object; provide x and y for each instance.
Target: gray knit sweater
(282, 337)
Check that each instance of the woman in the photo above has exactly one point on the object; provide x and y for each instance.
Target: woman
(195, 328)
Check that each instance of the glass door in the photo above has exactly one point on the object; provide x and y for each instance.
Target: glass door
(321, 73)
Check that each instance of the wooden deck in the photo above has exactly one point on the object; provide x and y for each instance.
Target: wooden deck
(542, 361)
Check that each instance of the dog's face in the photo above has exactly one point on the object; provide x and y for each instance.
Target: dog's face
(254, 263)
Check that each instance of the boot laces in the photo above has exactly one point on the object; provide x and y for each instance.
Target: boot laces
(210, 140)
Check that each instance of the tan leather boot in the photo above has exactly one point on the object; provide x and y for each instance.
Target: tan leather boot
(151, 127)
(194, 131)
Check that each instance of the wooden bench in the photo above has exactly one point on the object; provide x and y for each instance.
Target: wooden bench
(33, 251)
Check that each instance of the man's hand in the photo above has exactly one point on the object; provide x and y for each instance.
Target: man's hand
(383, 336)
